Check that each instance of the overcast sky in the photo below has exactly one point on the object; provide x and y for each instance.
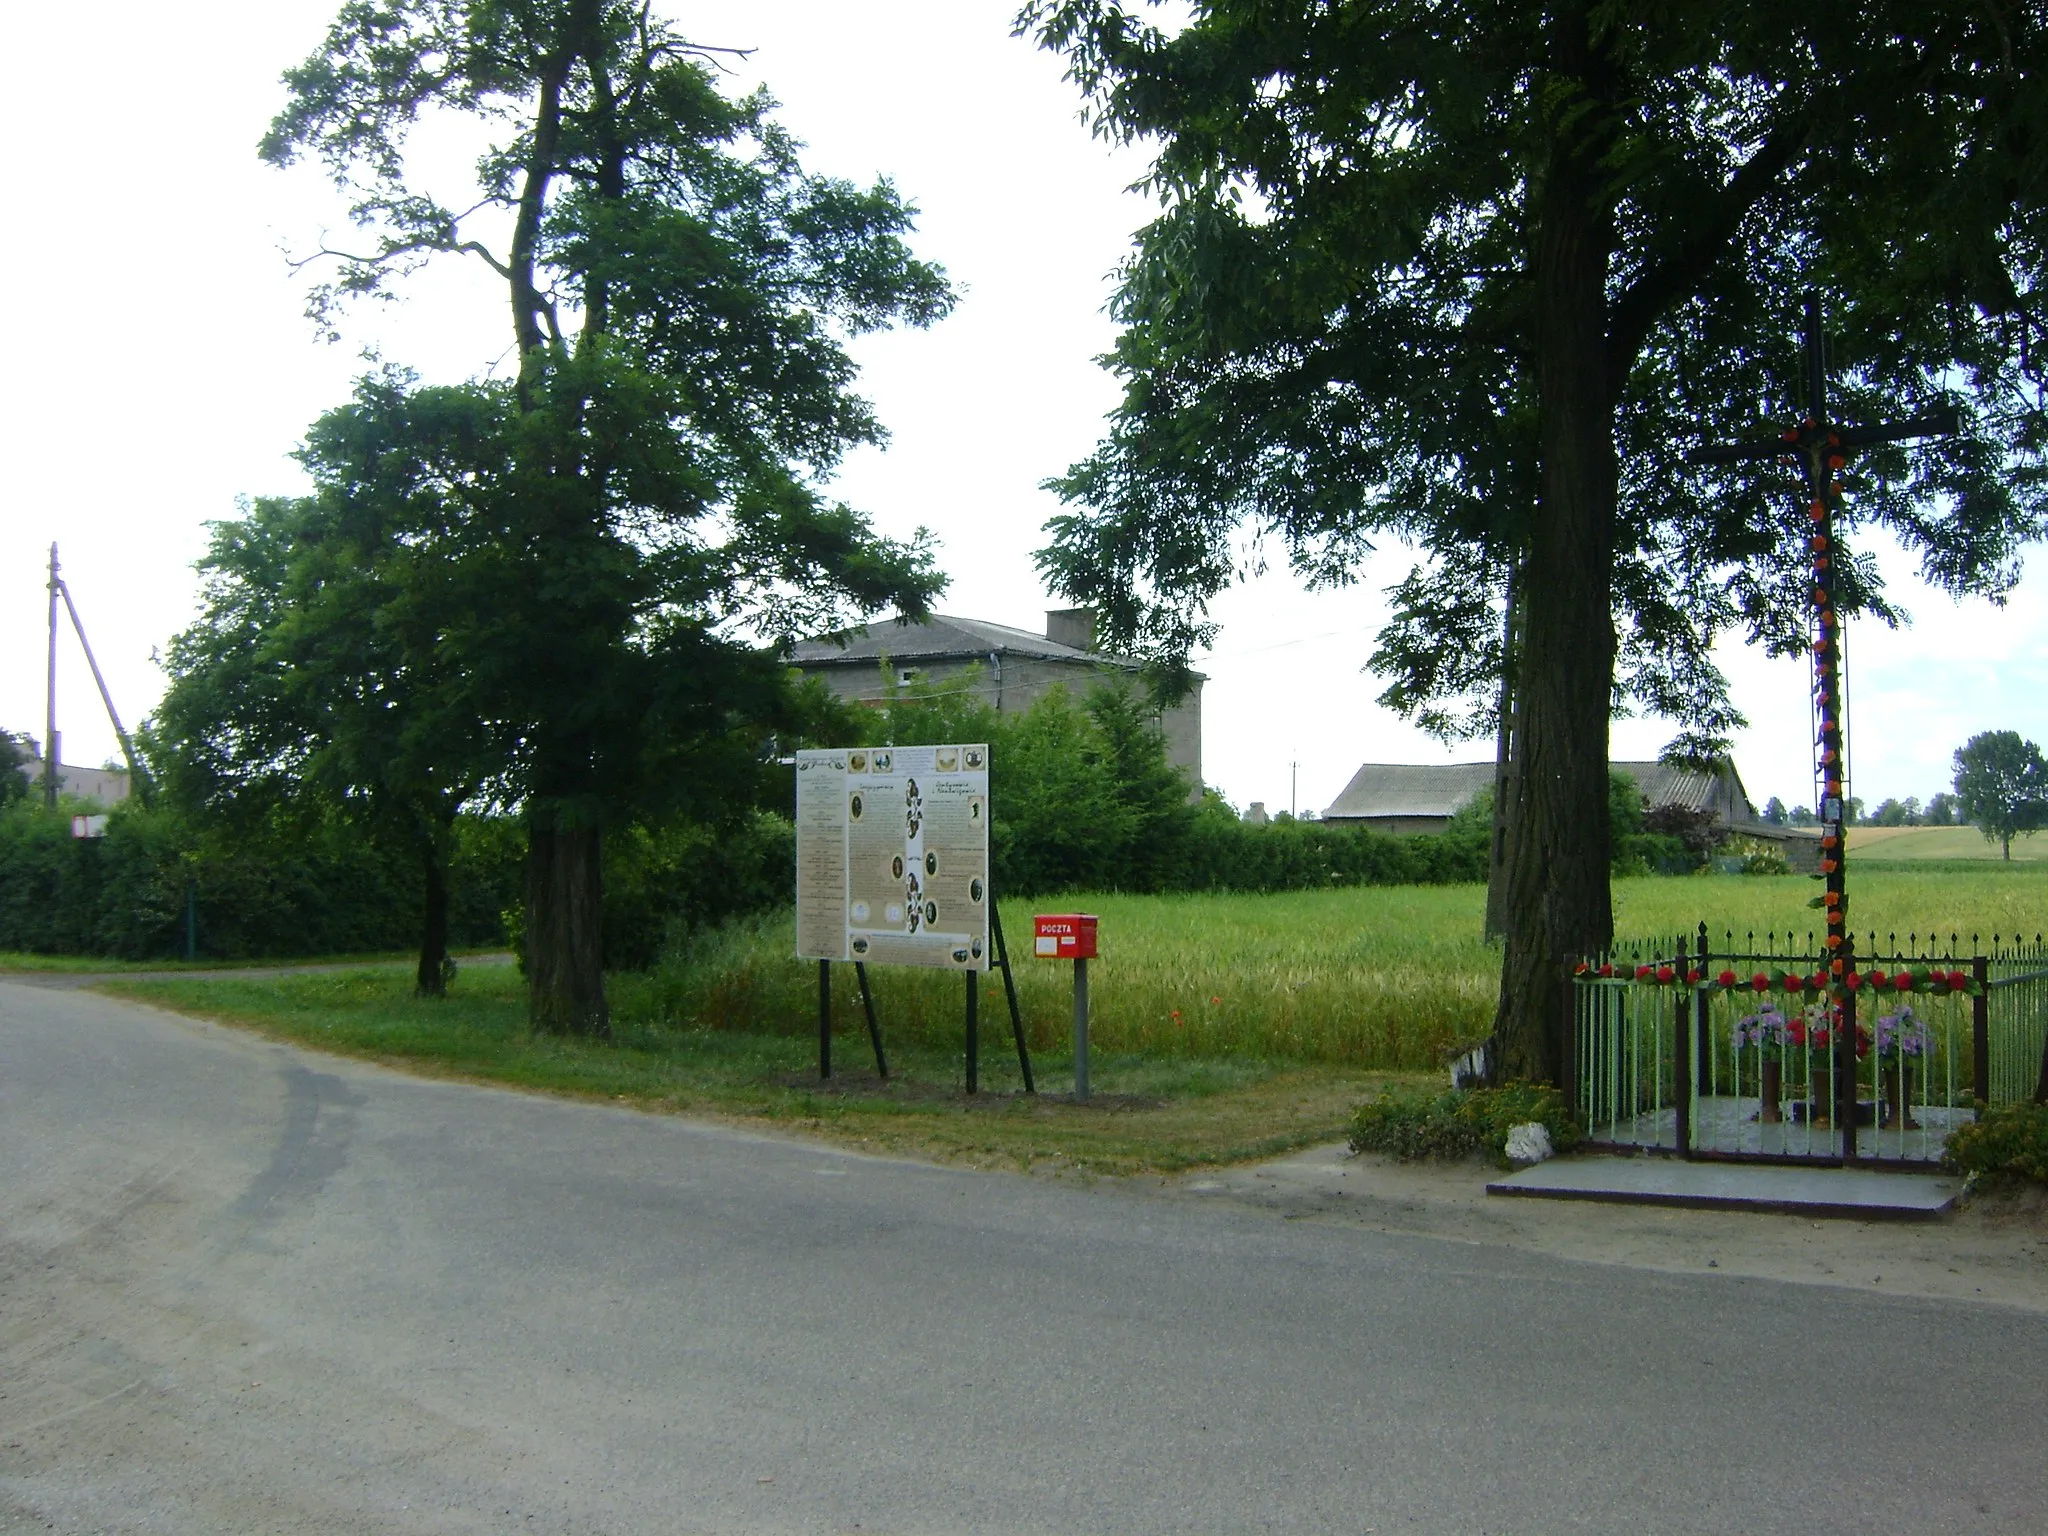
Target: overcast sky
(164, 367)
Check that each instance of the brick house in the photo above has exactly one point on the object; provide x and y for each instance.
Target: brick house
(1010, 668)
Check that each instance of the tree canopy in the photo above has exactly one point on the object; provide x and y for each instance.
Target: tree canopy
(1473, 280)
(2002, 786)
(644, 497)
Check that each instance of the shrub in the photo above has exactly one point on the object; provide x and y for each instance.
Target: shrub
(2010, 1139)
(1460, 1122)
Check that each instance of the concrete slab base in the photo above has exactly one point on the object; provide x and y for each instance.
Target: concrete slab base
(1859, 1193)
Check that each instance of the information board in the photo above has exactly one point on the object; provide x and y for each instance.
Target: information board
(892, 855)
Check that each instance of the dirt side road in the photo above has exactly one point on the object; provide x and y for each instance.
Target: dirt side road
(1994, 1249)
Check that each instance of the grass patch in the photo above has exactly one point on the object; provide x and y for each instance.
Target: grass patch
(1225, 1027)
(1148, 1114)
(98, 965)
(1945, 844)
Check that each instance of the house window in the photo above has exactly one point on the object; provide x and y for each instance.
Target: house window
(905, 676)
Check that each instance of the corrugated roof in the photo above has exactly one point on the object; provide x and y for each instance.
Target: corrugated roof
(1409, 789)
(1441, 789)
(943, 637)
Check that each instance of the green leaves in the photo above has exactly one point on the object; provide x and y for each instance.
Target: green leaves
(1332, 338)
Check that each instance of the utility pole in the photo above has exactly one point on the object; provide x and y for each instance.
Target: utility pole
(50, 758)
(1293, 790)
(138, 780)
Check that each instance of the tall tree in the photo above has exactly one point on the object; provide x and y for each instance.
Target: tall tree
(2002, 786)
(320, 676)
(1474, 278)
(679, 291)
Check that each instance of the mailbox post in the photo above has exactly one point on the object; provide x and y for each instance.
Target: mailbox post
(1070, 936)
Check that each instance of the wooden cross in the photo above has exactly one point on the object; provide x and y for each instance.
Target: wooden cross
(1824, 447)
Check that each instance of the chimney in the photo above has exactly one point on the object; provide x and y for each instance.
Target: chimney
(1071, 626)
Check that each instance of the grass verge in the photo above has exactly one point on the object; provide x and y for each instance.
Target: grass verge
(100, 965)
(1147, 1114)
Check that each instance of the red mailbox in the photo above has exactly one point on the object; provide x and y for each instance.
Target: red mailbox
(1063, 936)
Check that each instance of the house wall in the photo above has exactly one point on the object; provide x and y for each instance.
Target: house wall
(108, 786)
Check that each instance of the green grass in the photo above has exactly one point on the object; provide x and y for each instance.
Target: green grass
(1224, 1028)
(1147, 1113)
(1372, 978)
(97, 965)
(1946, 844)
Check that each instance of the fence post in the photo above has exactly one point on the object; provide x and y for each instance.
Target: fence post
(1980, 1031)
(1700, 1072)
(1570, 1074)
(1682, 1063)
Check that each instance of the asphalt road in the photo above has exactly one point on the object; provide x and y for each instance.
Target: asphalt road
(248, 1289)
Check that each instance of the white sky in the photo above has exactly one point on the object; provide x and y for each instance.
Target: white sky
(163, 367)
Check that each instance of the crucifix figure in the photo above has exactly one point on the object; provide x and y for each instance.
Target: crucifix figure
(1823, 447)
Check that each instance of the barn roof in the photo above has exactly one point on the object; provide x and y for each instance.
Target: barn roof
(1440, 789)
(1409, 789)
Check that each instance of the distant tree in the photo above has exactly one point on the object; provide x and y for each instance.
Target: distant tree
(1801, 816)
(1942, 811)
(1774, 811)
(1144, 780)
(1897, 813)
(14, 760)
(680, 295)
(1852, 811)
(2002, 786)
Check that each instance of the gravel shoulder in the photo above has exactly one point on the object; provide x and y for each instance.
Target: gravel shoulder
(1993, 1249)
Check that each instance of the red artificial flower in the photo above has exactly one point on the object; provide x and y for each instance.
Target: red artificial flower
(1693, 977)
(1852, 981)
(1581, 968)
(1665, 974)
(1794, 983)
(1606, 970)
(1903, 981)
(1959, 979)
(1726, 978)
(1645, 972)
(1761, 982)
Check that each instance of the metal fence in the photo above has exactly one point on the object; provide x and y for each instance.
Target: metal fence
(1711, 1054)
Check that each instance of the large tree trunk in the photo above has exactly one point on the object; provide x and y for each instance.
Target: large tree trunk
(431, 980)
(565, 928)
(1558, 902)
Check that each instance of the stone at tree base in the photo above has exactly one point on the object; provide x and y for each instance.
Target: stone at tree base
(1529, 1143)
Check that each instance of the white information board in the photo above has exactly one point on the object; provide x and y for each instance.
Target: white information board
(892, 855)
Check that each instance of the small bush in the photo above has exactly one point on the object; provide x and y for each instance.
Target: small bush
(2011, 1139)
(1459, 1122)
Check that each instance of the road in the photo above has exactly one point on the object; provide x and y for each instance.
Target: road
(246, 1288)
